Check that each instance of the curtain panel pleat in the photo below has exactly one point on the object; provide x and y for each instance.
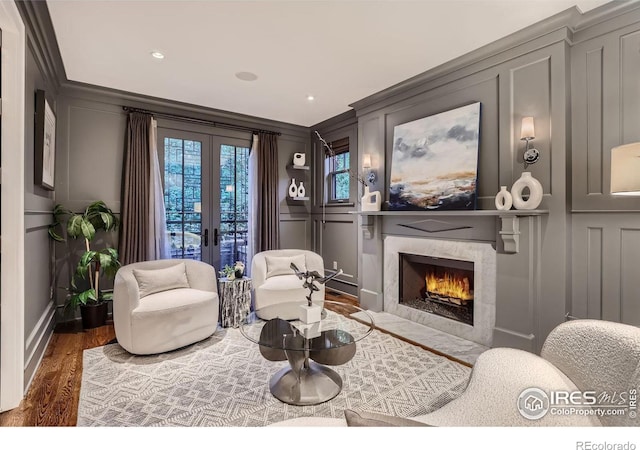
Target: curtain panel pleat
(158, 246)
(252, 244)
(134, 214)
(268, 216)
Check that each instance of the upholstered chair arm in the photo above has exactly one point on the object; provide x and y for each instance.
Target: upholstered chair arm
(201, 276)
(314, 262)
(597, 355)
(126, 298)
(258, 270)
(125, 291)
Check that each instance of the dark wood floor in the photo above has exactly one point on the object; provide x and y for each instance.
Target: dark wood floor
(52, 399)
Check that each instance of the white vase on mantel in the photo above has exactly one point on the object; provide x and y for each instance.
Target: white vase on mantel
(504, 200)
(371, 201)
(301, 190)
(526, 180)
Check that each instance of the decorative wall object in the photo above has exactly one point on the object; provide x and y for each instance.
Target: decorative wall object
(504, 200)
(301, 190)
(535, 192)
(371, 201)
(434, 164)
(299, 159)
(625, 167)
(45, 143)
(293, 189)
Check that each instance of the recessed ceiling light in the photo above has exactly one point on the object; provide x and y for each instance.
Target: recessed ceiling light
(246, 76)
(310, 98)
(157, 55)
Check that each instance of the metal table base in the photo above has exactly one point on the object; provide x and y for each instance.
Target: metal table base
(313, 385)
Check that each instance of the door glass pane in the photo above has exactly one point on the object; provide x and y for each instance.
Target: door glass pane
(183, 196)
(234, 204)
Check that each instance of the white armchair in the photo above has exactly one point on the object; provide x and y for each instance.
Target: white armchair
(580, 355)
(164, 305)
(275, 283)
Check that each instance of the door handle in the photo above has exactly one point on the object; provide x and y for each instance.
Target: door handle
(206, 237)
(215, 236)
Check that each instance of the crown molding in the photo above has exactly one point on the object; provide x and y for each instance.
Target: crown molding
(341, 120)
(606, 18)
(117, 97)
(541, 34)
(42, 40)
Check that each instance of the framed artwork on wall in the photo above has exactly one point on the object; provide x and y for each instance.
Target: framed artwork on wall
(434, 163)
(45, 143)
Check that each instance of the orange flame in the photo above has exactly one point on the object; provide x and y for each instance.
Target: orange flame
(450, 285)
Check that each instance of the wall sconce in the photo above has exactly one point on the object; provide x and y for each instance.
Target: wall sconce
(366, 166)
(625, 167)
(527, 133)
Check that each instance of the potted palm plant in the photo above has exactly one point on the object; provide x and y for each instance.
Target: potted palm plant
(86, 290)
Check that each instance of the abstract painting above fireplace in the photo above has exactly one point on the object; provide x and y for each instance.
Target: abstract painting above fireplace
(434, 163)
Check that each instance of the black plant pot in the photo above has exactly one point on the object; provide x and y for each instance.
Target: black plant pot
(94, 315)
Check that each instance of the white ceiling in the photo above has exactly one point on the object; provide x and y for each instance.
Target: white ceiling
(338, 51)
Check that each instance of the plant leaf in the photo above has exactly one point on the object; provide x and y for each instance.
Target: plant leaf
(107, 220)
(88, 230)
(74, 225)
(53, 234)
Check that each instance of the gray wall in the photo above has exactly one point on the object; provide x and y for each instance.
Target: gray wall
(335, 231)
(39, 308)
(295, 223)
(577, 75)
(91, 140)
(605, 229)
(517, 83)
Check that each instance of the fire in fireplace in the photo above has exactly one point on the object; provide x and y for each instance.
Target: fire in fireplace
(437, 285)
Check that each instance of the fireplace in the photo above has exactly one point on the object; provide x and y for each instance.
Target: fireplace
(439, 286)
(473, 316)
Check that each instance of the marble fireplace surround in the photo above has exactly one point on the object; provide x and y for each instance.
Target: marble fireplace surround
(481, 254)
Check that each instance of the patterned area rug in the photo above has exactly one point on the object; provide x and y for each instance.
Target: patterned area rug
(223, 381)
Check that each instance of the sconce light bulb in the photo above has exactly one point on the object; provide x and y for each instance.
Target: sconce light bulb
(366, 161)
(528, 131)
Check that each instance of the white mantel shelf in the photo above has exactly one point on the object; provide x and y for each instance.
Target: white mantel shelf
(509, 229)
(477, 212)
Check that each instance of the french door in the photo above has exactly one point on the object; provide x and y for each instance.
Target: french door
(206, 195)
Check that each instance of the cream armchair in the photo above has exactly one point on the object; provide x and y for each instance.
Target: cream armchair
(275, 283)
(580, 355)
(164, 305)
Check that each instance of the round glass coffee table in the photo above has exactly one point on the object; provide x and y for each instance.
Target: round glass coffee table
(309, 348)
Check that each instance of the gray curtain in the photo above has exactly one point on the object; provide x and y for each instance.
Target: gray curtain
(134, 214)
(268, 202)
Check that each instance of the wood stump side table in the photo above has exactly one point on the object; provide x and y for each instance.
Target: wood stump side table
(235, 301)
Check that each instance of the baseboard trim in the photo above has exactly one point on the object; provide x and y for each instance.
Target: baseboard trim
(513, 339)
(37, 342)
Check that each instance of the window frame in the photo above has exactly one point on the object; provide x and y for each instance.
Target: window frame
(339, 147)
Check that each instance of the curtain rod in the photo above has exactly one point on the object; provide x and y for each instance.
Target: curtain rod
(200, 121)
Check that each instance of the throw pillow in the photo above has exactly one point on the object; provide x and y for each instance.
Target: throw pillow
(281, 265)
(369, 419)
(158, 280)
